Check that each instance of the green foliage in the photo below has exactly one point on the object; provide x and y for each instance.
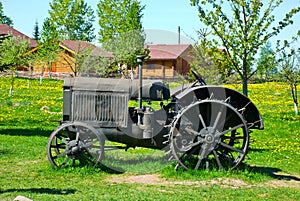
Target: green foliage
(49, 31)
(13, 54)
(118, 17)
(3, 18)
(242, 29)
(81, 56)
(121, 30)
(48, 48)
(126, 47)
(290, 71)
(208, 61)
(101, 65)
(73, 19)
(204, 66)
(266, 63)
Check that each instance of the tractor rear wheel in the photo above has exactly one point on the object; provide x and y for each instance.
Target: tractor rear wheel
(208, 134)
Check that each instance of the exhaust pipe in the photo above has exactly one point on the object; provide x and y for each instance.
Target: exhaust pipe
(140, 60)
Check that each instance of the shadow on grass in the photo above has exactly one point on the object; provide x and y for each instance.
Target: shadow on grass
(26, 132)
(42, 191)
(275, 173)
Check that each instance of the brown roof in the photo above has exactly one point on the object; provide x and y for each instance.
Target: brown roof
(5, 30)
(167, 51)
(81, 46)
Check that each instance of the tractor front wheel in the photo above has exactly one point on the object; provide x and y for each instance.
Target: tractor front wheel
(75, 144)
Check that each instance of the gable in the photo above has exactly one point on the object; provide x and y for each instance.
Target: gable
(75, 46)
(5, 30)
(168, 52)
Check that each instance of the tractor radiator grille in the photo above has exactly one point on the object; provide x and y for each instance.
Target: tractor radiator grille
(104, 108)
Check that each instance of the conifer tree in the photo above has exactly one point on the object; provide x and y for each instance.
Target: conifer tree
(3, 18)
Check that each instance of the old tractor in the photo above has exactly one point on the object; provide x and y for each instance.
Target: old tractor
(197, 125)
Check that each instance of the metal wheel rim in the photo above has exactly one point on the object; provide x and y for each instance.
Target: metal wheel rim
(226, 151)
(75, 144)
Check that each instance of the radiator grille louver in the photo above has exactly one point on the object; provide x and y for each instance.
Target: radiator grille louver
(105, 108)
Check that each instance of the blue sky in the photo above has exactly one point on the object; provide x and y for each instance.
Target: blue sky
(161, 18)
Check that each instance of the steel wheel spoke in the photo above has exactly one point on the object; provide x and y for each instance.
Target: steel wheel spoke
(218, 160)
(183, 159)
(202, 121)
(231, 148)
(60, 155)
(233, 138)
(73, 161)
(225, 137)
(86, 156)
(191, 131)
(91, 144)
(59, 136)
(201, 154)
(218, 118)
(82, 142)
(65, 161)
(232, 129)
(191, 145)
(59, 146)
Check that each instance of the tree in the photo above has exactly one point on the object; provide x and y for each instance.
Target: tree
(3, 18)
(126, 47)
(121, 30)
(100, 64)
(117, 17)
(36, 34)
(203, 63)
(48, 48)
(242, 27)
(79, 56)
(13, 55)
(73, 19)
(266, 63)
(290, 70)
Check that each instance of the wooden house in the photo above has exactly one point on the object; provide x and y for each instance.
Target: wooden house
(67, 59)
(168, 60)
(6, 31)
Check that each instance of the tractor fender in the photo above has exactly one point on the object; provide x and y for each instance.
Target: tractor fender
(239, 101)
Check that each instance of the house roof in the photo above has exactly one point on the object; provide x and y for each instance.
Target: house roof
(167, 51)
(6, 30)
(76, 46)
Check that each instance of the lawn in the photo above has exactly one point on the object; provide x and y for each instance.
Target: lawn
(271, 170)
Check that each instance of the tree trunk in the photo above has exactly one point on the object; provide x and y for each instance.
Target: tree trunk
(296, 108)
(295, 98)
(245, 81)
(245, 74)
(245, 86)
(12, 84)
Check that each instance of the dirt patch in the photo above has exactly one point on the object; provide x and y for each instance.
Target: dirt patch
(142, 179)
(283, 184)
(155, 179)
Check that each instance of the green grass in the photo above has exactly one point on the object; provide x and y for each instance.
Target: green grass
(25, 125)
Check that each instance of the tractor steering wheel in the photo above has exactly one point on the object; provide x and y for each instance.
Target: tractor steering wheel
(198, 78)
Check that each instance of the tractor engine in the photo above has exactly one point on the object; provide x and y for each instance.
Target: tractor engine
(104, 102)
